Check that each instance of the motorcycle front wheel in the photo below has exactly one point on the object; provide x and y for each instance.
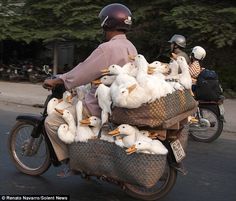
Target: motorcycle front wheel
(30, 155)
(207, 133)
(158, 191)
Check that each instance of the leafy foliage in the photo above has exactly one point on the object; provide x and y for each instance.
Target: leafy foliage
(209, 23)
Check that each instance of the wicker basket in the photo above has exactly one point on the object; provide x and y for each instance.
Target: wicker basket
(98, 157)
(155, 113)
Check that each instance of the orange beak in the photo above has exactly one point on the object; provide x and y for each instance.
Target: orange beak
(153, 135)
(150, 70)
(131, 88)
(105, 71)
(174, 56)
(85, 121)
(59, 111)
(97, 82)
(131, 150)
(131, 57)
(114, 132)
(69, 99)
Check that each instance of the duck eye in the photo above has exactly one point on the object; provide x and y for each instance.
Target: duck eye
(123, 92)
(139, 143)
(123, 126)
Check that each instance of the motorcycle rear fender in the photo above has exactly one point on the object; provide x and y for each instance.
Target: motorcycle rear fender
(37, 120)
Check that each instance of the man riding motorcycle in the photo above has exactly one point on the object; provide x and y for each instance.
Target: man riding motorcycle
(116, 20)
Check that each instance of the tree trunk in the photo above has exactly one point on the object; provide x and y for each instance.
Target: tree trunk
(55, 58)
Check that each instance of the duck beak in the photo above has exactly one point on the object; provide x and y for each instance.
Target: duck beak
(69, 99)
(153, 135)
(131, 57)
(59, 111)
(97, 82)
(174, 56)
(151, 67)
(131, 150)
(131, 88)
(105, 71)
(85, 121)
(114, 132)
(150, 70)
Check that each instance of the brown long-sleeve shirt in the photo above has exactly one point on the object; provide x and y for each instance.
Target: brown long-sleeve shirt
(115, 51)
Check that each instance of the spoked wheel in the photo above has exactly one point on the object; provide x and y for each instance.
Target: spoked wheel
(207, 129)
(158, 191)
(30, 155)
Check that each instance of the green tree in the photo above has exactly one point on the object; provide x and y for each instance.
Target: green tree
(53, 21)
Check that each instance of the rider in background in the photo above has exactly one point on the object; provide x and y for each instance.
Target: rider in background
(197, 55)
(178, 44)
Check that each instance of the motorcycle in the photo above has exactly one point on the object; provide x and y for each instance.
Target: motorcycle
(37, 74)
(209, 122)
(18, 73)
(32, 152)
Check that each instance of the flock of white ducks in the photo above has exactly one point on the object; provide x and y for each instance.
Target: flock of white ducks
(128, 86)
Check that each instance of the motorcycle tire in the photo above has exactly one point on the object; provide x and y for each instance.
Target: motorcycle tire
(28, 161)
(214, 131)
(158, 191)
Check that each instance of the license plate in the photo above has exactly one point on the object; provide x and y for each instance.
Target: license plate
(222, 110)
(178, 150)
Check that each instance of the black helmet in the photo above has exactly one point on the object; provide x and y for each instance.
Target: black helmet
(178, 40)
(115, 17)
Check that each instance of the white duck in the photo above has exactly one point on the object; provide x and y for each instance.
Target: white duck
(83, 133)
(130, 97)
(65, 134)
(66, 101)
(69, 119)
(115, 69)
(94, 123)
(52, 105)
(155, 88)
(158, 69)
(184, 76)
(173, 78)
(104, 101)
(106, 80)
(153, 147)
(122, 77)
(131, 69)
(131, 134)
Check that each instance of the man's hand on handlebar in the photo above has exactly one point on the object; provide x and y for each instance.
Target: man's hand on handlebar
(51, 83)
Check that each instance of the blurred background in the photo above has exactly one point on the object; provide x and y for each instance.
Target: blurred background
(60, 34)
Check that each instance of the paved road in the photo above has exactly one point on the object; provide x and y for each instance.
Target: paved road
(212, 171)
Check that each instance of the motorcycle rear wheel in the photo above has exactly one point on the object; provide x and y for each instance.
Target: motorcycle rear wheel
(158, 191)
(214, 131)
(30, 155)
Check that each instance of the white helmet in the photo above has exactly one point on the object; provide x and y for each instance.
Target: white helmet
(198, 53)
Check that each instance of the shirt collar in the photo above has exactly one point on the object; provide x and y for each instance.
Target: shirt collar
(120, 36)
